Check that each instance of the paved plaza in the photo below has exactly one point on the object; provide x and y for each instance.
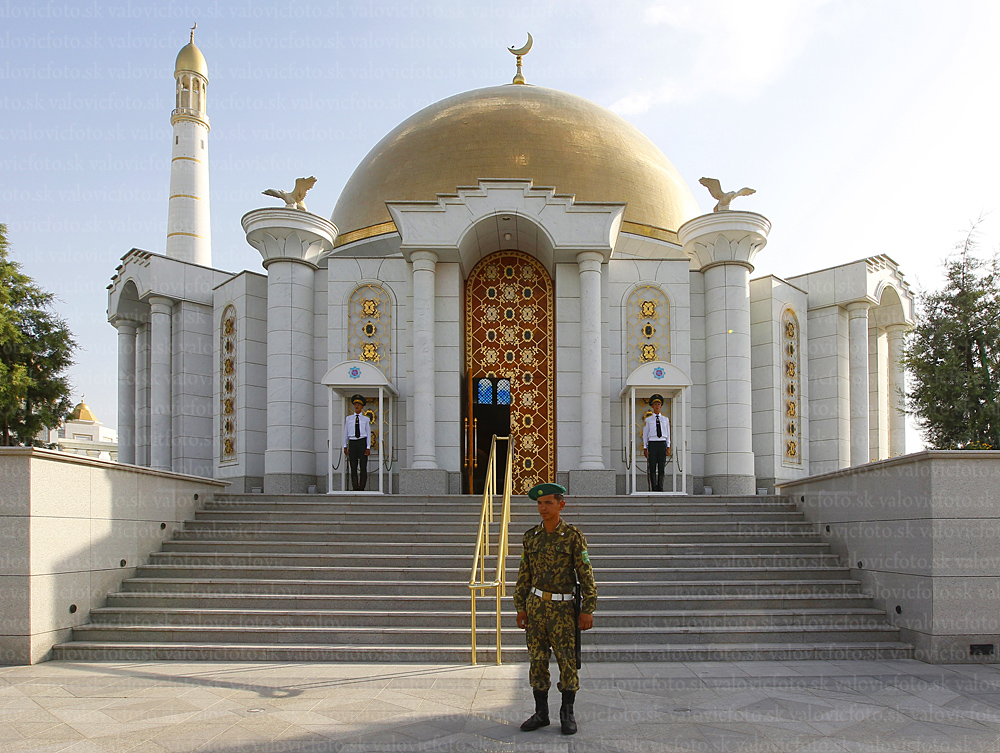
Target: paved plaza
(75, 707)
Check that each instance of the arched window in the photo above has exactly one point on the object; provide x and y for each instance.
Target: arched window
(791, 384)
(647, 326)
(227, 385)
(369, 334)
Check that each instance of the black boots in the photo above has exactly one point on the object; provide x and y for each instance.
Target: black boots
(566, 717)
(541, 716)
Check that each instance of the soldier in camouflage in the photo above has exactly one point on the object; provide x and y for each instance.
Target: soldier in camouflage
(553, 557)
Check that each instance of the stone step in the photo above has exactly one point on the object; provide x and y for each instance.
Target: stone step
(467, 535)
(707, 567)
(762, 586)
(460, 654)
(429, 636)
(451, 523)
(374, 618)
(670, 556)
(391, 501)
(776, 599)
(391, 511)
(311, 544)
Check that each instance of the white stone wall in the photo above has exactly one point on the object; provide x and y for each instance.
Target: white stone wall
(770, 297)
(568, 376)
(320, 434)
(192, 407)
(448, 284)
(247, 292)
(829, 390)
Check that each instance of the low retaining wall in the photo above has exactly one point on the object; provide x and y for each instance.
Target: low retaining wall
(922, 533)
(71, 529)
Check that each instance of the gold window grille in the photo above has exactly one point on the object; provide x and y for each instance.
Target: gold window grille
(369, 334)
(647, 326)
(227, 385)
(791, 384)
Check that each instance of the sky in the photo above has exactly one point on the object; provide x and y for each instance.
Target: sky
(865, 126)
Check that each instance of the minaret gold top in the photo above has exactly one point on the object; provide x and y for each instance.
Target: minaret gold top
(520, 52)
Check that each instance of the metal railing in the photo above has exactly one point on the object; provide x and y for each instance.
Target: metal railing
(478, 583)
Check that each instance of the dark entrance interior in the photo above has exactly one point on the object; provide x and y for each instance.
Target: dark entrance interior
(488, 403)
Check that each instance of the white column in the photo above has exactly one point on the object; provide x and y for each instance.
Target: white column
(897, 389)
(290, 459)
(729, 460)
(160, 429)
(723, 246)
(857, 334)
(126, 391)
(424, 409)
(591, 399)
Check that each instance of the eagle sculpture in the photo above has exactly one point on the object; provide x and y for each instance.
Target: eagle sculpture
(723, 197)
(293, 199)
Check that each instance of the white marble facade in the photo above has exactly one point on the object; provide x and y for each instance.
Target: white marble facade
(221, 373)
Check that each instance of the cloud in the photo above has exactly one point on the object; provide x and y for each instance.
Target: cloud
(732, 48)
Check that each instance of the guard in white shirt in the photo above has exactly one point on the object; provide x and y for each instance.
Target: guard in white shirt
(358, 443)
(656, 443)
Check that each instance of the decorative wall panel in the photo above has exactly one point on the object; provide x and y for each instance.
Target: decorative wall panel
(647, 326)
(509, 334)
(227, 385)
(369, 333)
(791, 382)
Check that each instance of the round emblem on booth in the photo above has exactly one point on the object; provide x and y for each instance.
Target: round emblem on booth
(659, 373)
(354, 372)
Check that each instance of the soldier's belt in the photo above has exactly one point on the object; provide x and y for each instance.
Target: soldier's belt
(546, 596)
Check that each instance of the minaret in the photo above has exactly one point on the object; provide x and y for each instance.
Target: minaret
(189, 233)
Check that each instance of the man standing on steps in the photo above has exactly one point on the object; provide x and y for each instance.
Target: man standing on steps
(656, 443)
(553, 558)
(358, 443)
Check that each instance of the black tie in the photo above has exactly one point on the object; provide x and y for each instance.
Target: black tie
(658, 432)
(357, 426)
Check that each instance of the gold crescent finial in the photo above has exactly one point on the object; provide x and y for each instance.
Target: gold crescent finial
(192, 30)
(520, 52)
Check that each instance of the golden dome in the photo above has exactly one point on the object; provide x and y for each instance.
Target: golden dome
(191, 59)
(554, 138)
(82, 412)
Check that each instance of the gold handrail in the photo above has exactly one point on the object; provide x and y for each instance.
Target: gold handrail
(478, 585)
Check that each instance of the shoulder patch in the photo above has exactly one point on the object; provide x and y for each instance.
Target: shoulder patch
(585, 557)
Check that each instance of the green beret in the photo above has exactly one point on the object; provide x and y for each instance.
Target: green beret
(656, 396)
(542, 489)
(359, 399)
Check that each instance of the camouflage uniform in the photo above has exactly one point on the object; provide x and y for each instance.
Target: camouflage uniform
(548, 563)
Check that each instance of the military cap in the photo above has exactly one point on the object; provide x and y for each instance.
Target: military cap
(656, 396)
(359, 399)
(542, 489)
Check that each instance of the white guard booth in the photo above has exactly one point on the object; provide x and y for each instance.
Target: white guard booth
(359, 377)
(671, 382)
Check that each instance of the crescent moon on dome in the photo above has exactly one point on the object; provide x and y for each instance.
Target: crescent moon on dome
(524, 50)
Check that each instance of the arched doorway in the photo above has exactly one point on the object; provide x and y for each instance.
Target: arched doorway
(510, 368)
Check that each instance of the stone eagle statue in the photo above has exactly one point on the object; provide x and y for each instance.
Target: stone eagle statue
(723, 197)
(293, 199)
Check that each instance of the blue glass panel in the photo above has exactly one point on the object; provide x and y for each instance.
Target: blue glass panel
(503, 392)
(485, 392)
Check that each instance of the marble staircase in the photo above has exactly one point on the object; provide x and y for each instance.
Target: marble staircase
(384, 579)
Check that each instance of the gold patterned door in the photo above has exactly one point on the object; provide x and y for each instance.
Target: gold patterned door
(509, 327)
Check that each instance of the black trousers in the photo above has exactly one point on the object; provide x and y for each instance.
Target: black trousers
(358, 462)
(656, 461)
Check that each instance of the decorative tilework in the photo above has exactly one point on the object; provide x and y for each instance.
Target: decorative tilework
(227, 384)
(647, 326)
(369, 334)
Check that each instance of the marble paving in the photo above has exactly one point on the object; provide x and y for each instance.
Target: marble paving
(710, 707)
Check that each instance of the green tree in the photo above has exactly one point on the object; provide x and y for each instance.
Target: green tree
(952, 354)
(36, 349)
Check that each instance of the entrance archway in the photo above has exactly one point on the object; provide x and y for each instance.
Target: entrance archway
(510, 368)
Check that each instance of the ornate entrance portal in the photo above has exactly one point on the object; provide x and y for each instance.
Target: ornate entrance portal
(510, 361)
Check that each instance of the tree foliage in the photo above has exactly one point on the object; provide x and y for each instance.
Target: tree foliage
(36, 349)
(953, 355)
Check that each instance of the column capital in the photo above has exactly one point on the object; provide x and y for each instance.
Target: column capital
(897, 330)
(858, 309)
(590, 261)
(281, 234)
(423, 261)
(124, 326)
(159, 304)
(724, 238)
